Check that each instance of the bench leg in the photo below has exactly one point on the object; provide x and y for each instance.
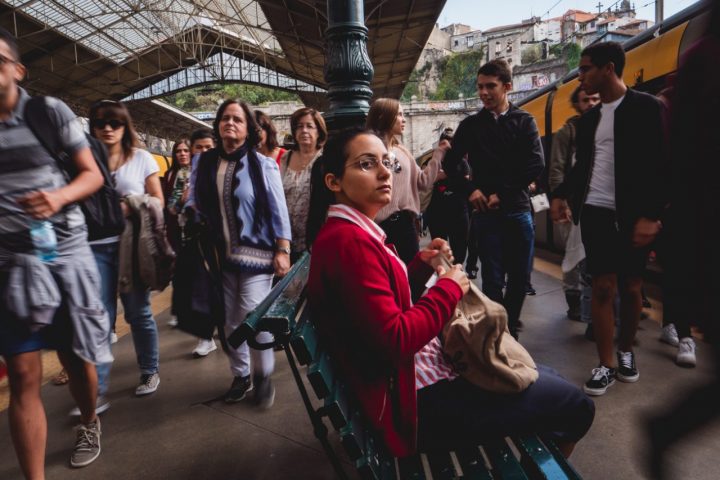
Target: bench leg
(319, 428)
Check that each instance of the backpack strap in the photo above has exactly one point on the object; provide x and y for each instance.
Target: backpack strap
(38, 120)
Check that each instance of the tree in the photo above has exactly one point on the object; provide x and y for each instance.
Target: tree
(207, 97)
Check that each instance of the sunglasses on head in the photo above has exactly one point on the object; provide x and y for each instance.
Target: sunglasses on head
(114, 124)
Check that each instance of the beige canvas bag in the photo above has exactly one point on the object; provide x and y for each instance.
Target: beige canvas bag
(480, 348)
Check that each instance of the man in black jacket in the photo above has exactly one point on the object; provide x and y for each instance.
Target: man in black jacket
(616, 189)
(505, 155)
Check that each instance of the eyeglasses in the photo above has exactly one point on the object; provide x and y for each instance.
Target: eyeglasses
(5, 60)
(101, 124)
(371, 163)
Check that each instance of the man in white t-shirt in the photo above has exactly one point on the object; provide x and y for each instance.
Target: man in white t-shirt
(616, 186)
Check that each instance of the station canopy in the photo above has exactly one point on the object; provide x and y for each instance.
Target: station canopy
(134, 50)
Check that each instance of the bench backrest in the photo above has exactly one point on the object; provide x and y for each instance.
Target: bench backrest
(284, 314)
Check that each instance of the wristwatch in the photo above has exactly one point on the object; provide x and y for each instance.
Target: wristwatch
(285, 250)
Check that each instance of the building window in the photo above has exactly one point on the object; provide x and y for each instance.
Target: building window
(498, 48)
(509, 46)
(470, 41)
(457, 42)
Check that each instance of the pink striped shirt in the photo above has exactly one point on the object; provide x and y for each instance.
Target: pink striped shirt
(430, 365)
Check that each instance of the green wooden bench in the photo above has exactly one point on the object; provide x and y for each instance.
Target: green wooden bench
(283, 313)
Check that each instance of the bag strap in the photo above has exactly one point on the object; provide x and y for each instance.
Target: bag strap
(38, 120)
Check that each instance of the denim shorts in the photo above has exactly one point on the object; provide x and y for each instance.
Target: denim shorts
(15, 338)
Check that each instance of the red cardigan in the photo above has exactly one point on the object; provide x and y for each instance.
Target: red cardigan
(359, 298)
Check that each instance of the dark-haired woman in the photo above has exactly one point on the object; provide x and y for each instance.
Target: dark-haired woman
(309, 131)
(268, 137)
(135, 172)
(239, 193)
(398, 218)
(175, 185)
(388, 348)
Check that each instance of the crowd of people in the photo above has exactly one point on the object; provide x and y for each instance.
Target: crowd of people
(354, 199)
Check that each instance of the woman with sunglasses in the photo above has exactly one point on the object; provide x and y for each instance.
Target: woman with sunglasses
(309, 131)
(386, 346)
(135, 172)
(238, 193)
(399, 217)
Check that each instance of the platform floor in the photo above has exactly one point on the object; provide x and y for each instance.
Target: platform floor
(181, 432)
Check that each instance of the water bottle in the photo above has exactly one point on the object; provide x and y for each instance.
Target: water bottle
(44, 240)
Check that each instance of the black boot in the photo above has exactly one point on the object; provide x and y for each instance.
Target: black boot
(572, 298)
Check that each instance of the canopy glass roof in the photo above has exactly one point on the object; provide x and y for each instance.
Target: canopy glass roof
(119, 29)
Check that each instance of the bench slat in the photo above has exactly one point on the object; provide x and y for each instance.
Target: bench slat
(353, 438)
(321, 376)
(411, 468)
(504, 463)
(571, 473)
(473, 464)
(336, 407)
(441, 466)
(304, 340)
(536, 457)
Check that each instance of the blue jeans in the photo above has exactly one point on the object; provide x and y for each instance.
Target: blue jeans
(505, 243)
(106, 257)
(144, 329)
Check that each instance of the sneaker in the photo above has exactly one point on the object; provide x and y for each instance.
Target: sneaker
(101, 406)
(240, 386)
(669, 335)
(204, 347)
(173, 322)
(602, 378)
(686, 353)
(529, 290)
(148, 384)
(264, 392)
(87, 444)
(627, 371)
(113, 338)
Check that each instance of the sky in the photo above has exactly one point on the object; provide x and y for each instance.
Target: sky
(481, 14)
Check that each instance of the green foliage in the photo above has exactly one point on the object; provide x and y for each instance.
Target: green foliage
(531, 54)
(208, 97)
(458, 74)
(411, 87)
(572, 55)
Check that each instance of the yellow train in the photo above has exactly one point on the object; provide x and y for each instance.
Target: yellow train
(651, 57)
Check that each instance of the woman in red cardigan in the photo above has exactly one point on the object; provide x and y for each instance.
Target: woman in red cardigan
(386, 346)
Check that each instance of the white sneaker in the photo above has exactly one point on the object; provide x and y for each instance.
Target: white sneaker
(204, 347)
(148, 384)
(100, 407)
(669, 335)
(173, 321)
(113, 338)
(686, 352)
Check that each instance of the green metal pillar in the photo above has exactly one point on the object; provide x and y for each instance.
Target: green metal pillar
(348, 70)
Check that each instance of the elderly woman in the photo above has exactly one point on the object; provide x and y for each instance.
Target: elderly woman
(388, 348)
(398, 218)
(308, 129)
(239, 193)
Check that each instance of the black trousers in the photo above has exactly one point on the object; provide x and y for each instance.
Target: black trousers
(453, 414)
(401, 232)
(447, 217)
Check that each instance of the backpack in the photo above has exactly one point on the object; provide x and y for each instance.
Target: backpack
(103, 214)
